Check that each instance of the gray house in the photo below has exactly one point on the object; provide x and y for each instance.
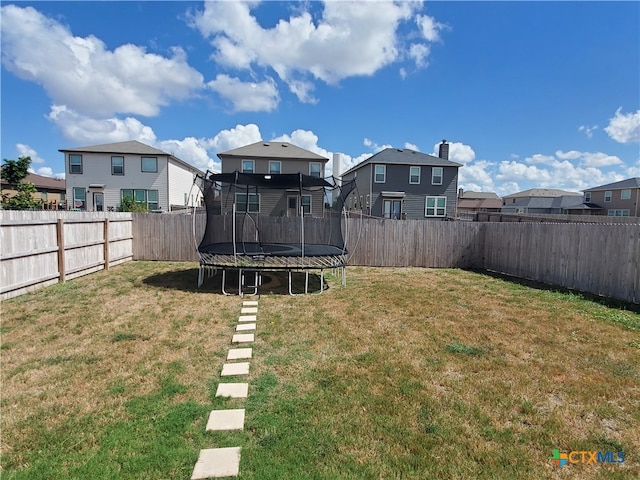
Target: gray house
(618, 199)
(402, 183)
(271, 158)
(540, 201)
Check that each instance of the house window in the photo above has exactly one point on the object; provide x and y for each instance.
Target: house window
(248, 166)
(275, 167)
(305, 202)
(315, 169)
(148, 198)
(150, 164)
(75, 163)
(44, 196)
(252, 207)
(152, 200)
(607, 196)
(79, 198)
(625, 194)
(587, 197)
(393, 209)
(380, 173)
(414, 175)
(618, 212)
(436, 176)
(435, 207)
(117, 165)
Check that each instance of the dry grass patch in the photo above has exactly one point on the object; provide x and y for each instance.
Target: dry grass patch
(406, 373)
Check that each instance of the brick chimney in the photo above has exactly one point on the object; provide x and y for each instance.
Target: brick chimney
(443, 151)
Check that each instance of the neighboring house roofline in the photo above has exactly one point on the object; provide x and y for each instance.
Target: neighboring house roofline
(132, 147)
(273, 150)
(633, 182)
(400, 156)
(42, 182)
(542, 192)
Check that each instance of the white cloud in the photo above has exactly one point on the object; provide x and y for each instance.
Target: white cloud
(411, 146)
(429, 27)
(27, 151)
(374, 146)
(476, 177)
(541, 159)
(191, 150)
(348, 39)
(570, 155)
(87, 77)
(238, 136)
(419, 53)
(514, 171)
(588, 131)
(458, 152)
(84, 130)
(624, 127)
(599, 159)
(246, 96)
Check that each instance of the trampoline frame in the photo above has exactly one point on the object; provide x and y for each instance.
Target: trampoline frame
(259, 262)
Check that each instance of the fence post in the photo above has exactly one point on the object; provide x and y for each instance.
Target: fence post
(60, 239)
(106, 244)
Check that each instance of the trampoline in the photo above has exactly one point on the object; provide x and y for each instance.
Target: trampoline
(250, 243)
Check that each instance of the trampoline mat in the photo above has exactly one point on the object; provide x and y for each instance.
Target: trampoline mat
(272, 249)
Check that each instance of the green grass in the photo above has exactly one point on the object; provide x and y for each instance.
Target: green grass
(406, 373)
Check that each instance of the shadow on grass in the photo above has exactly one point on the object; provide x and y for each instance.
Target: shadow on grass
(601, 300)
(275, 283)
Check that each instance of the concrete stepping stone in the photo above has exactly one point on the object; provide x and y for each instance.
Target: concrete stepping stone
(250, 303)
(233, 390)
(245, 327)
(241, 368)
(226, 420)
(249, 310)
(239, 353)
(243, 338)
(217, 463)
(247, 318)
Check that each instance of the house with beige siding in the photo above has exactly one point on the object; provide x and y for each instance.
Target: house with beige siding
(402, 183)
(51, 192)
(617, 199)
(273, 158)
(98, 177)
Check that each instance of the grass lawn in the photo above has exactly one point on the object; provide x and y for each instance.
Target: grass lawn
(406, 373)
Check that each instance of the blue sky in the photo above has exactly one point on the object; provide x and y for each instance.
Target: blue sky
(530, 94)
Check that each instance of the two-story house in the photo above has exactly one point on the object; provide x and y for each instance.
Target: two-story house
(273, 158)
(402, 183)
(617, 199)
(99, 176)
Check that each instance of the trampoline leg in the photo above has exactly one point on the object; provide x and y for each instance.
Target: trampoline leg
(224, 279)
(306, 281)
(200, 275)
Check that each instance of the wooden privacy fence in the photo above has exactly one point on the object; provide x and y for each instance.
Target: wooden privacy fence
(43, 248)
(600, 259)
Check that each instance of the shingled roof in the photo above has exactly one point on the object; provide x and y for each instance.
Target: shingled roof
(273, 150)
(621, 185)
(404, 156)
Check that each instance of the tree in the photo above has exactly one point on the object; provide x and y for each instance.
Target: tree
(15, 172)
(127, 204)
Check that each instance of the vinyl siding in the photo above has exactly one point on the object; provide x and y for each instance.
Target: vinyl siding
(397, 180)
(181, 184)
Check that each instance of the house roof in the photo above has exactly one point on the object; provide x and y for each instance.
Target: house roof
(584, 206)
(565, 201)
(622, 184)
(44, 183)
(273, 150)
(542, 192)
(479, 203)
(403, 156)
(131, 147)
(480, 195)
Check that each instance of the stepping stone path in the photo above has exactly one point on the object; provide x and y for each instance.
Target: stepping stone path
(225, 462)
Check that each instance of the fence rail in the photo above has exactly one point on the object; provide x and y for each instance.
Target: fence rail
(42, 248)
(603, 259)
